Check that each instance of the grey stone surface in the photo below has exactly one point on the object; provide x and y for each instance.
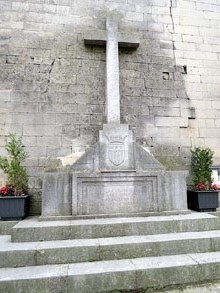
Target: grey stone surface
(82, 250)
(112, 72)
(144, 273)
(34, 279)
(116, 148)
(6, 226)
(185, 269)
(57, 199)
(119, 275)
(175, 190)
(147, 188)
(112, 65)
(35, 230)
(99, 37)
(200, 288)
(116, 194)
(159, 253)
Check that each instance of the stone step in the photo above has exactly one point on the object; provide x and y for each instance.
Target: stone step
(82, 250)
(6, 226)
(106, 276)
(34, 230)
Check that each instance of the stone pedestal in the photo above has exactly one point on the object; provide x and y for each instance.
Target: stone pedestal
(90, 188)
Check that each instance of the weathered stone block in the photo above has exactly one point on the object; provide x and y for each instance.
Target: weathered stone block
(146, 189)
(124, 278)
(147, 277)
(122, 193)
(39, 130)
(172, 121)
(175, 190)
(57, 199)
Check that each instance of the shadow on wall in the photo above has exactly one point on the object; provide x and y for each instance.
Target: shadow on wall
(153, 97)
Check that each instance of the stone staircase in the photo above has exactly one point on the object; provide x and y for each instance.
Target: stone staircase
(109, 255)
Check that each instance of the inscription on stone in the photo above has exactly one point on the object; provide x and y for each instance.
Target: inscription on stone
(118, 197)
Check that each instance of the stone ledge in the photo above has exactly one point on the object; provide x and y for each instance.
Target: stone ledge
(34, 230)
(142, 273)
(82, 250)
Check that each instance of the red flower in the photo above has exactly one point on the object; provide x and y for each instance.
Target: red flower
(200, 186)
(4, 190)
(214, 186)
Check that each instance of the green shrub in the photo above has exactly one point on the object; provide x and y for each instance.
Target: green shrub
(201, 161)
(16, 174)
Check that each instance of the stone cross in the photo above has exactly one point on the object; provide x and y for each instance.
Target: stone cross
(113, 40)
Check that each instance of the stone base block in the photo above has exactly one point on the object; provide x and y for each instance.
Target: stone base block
(86, 190)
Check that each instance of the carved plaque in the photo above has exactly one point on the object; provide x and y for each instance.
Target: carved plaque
(117, 195)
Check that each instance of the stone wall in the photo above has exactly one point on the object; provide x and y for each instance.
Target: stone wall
(52, 87)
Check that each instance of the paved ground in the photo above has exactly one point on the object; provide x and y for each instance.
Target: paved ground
(205, 288)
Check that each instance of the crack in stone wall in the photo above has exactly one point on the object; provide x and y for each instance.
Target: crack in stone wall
(49, 77)
(172, 31)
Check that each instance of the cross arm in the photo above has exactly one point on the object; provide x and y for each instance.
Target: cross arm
(98, 38)
(95, 38)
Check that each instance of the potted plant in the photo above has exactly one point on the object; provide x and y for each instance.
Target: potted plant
(14, 201)
(204, 193)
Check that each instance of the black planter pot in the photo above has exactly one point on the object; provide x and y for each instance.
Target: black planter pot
(14, 207)
(202, 201)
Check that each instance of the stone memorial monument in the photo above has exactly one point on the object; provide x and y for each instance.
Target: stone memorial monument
(116, 177)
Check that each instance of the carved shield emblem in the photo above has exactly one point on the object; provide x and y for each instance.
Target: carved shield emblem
(116, 153)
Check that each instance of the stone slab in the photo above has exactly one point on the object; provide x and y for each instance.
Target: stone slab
(117, 276)
(34, 279)
(34, 230)
(164, 271)
(81, 250)
(142, 273)
(56, 186)
(127, 247)
(6, 226)
(125, 193)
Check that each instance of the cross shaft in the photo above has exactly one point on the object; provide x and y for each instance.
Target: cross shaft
(112, 41)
